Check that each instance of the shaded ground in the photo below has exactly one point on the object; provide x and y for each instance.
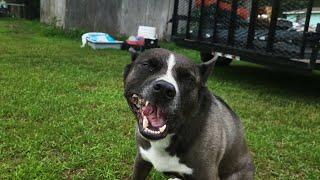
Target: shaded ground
(62, 113)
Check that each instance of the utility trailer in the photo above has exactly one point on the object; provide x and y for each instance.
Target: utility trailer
(278, 33)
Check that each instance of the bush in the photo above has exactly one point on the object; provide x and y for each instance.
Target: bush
(55, 31)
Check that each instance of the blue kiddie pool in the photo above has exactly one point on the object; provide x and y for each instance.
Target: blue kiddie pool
(97, 40)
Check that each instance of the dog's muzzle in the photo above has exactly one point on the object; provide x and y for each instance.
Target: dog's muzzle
(163, 91)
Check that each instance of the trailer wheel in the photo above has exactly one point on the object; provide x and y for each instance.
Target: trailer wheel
(222, 61)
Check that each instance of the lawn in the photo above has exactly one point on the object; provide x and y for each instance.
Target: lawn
(63, 115)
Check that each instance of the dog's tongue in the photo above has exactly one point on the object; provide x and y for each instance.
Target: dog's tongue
(154, 116)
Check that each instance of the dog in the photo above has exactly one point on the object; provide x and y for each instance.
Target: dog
(182, 129)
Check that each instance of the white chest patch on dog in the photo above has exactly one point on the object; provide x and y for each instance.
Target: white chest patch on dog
(168, 76)
(161, 160)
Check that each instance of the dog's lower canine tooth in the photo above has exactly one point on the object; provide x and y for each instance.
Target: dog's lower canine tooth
(147, 103)
(162, 128)
(145, 122)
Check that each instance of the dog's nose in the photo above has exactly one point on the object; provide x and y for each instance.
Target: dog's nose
(164, 89)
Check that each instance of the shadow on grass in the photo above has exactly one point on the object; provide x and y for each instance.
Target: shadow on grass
(272, 81)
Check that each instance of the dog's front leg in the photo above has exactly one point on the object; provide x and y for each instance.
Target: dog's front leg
(241, 175)
(141, 168)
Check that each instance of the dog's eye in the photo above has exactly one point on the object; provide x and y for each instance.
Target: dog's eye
(149, 66)
(145, 65)
(185, 76)
(190, 78)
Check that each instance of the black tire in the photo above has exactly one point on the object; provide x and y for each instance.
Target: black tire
(222, 61)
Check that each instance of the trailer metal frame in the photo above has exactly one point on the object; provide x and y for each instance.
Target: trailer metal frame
(247, 50)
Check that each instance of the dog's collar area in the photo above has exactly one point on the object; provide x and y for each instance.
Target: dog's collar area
(151, 118)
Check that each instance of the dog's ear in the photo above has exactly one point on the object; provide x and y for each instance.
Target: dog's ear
(134, 53)
(206, 68)
(126, 71)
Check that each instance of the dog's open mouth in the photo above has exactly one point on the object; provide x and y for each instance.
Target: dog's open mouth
(151, 118)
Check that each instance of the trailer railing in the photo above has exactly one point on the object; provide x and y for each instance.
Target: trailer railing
(259, 31)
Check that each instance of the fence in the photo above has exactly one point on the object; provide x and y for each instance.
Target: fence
(119, 17)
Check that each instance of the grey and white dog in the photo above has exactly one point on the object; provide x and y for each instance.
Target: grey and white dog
(183, 130)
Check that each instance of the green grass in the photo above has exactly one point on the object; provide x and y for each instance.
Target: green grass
(63, 115)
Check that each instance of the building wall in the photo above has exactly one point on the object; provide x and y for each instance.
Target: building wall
(117, 17)
(315, 19)
(53, 11)
(147, 13)
(292, 17)
(94, 15)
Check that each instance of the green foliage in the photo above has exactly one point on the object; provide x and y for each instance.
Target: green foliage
(55, 31)
(63, 115)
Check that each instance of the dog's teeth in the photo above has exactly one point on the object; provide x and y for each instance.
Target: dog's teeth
(151, 131)
(145, 122)
(163, 128)
(147, 103)
(134, 96)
